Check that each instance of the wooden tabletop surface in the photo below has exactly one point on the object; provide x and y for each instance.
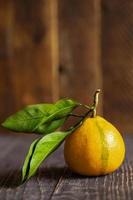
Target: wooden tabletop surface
(54, 180)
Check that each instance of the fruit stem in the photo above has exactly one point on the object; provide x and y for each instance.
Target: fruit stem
(95, 102)
(91, 109)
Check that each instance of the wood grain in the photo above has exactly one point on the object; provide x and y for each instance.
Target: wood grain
(117, 62)
(28, 53)
(54, 180)
(80, 63)
(12, 158)
(115, 186)
(51, 49)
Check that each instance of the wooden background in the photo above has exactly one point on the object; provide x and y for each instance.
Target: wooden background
(51, 49)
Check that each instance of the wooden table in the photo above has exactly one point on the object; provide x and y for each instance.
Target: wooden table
(54, 180)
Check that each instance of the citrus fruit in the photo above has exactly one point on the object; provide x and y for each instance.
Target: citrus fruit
(95, 148)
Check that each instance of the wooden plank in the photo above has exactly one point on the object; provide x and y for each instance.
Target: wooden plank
(28, 54)
(117, 185)
(54, 180)
(12, 157)
(79, 33)
(117, 62)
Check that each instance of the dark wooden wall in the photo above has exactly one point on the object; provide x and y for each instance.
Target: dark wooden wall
(51, 49)
(29, 53)
(117, 61)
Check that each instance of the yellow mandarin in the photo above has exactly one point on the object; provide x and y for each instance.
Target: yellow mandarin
(95, 148)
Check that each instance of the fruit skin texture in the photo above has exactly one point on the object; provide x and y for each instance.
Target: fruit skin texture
(95, 148)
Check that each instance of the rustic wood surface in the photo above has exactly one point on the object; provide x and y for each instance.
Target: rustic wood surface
(54, 180)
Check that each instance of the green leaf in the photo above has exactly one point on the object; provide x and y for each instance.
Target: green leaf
(41, 118)
(39, 150)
